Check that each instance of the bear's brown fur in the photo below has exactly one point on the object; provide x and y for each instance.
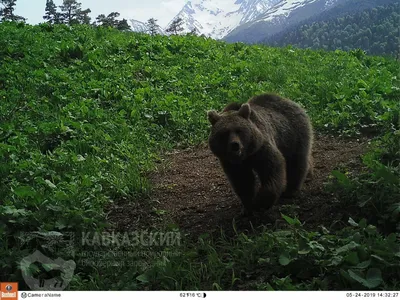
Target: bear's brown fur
(269, 135)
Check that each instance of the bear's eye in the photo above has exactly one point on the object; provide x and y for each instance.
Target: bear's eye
(224, 135)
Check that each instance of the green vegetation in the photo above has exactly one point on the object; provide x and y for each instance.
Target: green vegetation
(85, 112)
(293, 259)
(374, 30)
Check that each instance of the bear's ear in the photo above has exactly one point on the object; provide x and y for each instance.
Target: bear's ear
(213, 116)
(245, 111)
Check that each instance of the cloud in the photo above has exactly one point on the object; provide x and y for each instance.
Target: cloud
(163, 11)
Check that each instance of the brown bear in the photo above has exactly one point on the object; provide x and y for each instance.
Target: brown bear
(269, 135)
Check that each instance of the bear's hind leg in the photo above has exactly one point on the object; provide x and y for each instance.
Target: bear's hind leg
(310, 171)
(298, 167)
(242, 180)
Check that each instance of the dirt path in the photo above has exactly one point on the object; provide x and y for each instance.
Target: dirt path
(191, 190)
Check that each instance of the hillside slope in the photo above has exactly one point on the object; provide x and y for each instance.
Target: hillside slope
(88, 114)
(282, 15)
(278, 20)
(373, 30)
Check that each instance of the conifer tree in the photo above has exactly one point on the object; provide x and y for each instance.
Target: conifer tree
(71, 13)
(194, 31)
(111, 21)
(123, 25)
(176, 26)
(152, 26)
(51, 15)
(7, 11)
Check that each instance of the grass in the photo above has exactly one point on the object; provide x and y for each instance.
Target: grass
(85, 112)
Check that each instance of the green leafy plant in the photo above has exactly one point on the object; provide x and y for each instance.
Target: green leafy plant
(85, 112)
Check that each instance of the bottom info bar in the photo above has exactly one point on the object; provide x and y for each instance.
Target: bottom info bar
(212, 295)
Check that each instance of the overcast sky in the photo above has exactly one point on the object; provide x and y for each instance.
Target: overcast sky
(142, 10)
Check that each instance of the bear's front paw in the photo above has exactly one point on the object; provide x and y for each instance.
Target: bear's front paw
(264, 201)
(290, 194)
(246, 212)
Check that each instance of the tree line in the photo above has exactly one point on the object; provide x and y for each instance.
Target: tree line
(374, 30)
(175, 27)
(70, 13)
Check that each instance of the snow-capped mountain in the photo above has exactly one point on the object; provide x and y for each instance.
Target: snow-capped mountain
(244, 20)
(138, 26)
(285, 7)
(217, 18)
(335, 11)
(279, 16)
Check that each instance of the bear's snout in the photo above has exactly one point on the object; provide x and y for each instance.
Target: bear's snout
(235, 147)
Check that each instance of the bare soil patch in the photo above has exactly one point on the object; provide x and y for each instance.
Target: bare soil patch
(191, 191)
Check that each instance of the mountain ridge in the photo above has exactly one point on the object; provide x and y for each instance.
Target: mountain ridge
(255, 21)
(216, 18)
(282, 15)
(358, 26)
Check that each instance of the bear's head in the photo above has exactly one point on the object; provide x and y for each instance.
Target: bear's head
(233, 135)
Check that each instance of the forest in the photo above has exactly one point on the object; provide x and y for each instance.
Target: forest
(374, 30)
